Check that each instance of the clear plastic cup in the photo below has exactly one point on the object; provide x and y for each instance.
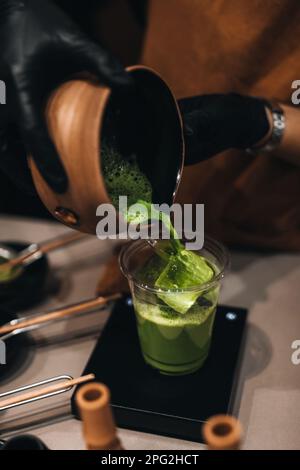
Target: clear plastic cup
(172, 342)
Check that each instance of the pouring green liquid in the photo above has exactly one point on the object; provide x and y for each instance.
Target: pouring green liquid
(175, 321)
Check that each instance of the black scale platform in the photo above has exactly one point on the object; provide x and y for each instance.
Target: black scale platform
(146, 401)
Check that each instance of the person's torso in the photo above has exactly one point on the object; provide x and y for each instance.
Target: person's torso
(209, 46)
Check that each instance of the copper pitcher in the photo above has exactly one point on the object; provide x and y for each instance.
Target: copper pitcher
(78, 114)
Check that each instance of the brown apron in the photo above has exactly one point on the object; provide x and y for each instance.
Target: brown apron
(252, 47)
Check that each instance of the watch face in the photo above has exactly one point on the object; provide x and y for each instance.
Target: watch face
(278, 128)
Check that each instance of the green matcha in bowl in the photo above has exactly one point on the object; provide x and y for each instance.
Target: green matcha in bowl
(175, 300)
(8, 274)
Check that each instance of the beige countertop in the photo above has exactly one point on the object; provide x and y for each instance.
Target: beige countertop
(268, 285)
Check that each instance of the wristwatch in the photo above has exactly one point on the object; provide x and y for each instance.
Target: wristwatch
(277, 131)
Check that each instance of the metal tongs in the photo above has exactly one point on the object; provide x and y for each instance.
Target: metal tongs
(54, 385)
(51, 387)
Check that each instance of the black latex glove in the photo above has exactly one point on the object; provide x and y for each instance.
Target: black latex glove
(40, 48)
(215, 123)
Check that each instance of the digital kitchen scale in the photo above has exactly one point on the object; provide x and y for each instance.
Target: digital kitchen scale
(144, 400)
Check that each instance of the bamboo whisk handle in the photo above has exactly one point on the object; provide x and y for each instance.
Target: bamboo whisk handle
(222, 432)
(99, 429)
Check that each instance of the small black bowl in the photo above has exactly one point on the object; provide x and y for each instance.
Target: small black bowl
(29, 287)
(26, 442)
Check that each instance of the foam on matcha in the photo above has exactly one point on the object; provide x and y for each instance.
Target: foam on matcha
(123, 177)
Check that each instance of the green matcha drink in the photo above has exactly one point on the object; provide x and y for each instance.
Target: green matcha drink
(173, 343)
(175, 291)
(175, 324)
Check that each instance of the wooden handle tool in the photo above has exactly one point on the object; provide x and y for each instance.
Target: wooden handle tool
(99, 429)
(58, 314)
(36, 250)
(222, 432)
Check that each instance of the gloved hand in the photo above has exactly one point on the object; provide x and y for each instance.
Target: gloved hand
(40, 48)
(215, 123)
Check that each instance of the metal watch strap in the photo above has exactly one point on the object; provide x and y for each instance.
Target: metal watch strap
(278, 128)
